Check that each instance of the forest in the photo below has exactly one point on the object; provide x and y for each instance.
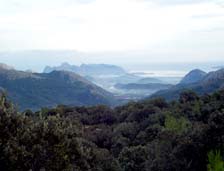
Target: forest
(150, 135)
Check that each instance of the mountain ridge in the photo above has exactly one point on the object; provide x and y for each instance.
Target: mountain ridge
(211, 82)
(193, 76)
(37, 90)
(88, 69)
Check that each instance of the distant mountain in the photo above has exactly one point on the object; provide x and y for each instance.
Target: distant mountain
(210, 83)
(7, 67)
(193, 77)
(149, 80)
(35, 90)
(88, 69)
(101, 69)
(218, 67)
(63, 67)
(107, 82)
(214, 77)
(149, 86)
(126, 78)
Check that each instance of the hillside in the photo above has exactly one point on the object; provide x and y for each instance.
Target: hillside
(34, 90)
(210, 83)
(193, 77)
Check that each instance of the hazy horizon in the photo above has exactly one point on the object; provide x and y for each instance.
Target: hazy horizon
(37, 60)
(121, 32)
(138, 35)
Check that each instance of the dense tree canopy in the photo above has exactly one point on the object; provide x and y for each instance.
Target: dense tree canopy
(152, 135)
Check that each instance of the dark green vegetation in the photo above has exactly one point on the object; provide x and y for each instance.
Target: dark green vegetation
(196, 81)
(216, 162)
(153, 135)
(34, 90)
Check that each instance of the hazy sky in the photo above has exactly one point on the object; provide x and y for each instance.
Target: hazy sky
(146, 30)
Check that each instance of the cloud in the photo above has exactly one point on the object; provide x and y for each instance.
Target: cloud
(178, 2)
(114, 26)
(15, 6)
(205, 16)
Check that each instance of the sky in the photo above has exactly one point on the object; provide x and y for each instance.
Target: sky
(113, 31)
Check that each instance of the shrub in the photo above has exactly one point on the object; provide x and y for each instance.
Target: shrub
(177, 125)
(215, 161)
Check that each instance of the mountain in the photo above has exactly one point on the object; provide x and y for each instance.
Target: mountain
(210, 83)
(63, 67)
(36, 90)
(193, 77)
(101, 69)
(108, 81)
(149, 86)
(126, 78)
(214, 77)
(149, 80)
(88, 69)
(7, 67)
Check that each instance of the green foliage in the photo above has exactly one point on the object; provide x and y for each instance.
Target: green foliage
(215, 160)
(27, 144)
(133, 158)
(177, 125)
(151, 135)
